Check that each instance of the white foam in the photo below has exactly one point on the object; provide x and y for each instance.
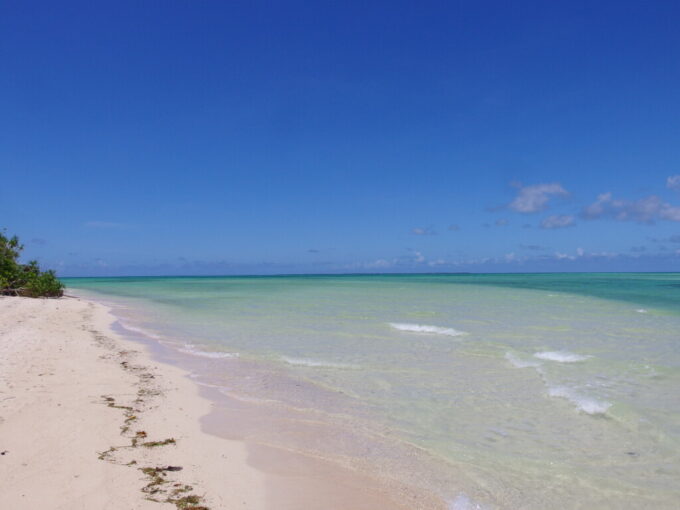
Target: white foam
(463, 502)
(191, 349)
(424, 328)
(306, 362)
(586, 404)
(641, 310)
(521, 363)
(561, 356)
(207, 385)
(141, 331)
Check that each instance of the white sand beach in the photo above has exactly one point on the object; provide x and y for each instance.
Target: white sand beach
(74, 398)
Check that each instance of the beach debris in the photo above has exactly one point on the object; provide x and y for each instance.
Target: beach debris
(106, 454)
(153, 444)
(188, 503)
(156, 489)
(159, 487)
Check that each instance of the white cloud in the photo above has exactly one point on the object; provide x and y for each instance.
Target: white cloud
(419, 257)
(535, 198)
(673, 182)
(423, 231)
(557, 221)
(644, 210)
(501, 222)
(453, 227)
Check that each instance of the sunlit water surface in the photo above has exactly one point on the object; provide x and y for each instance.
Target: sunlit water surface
(522, 390)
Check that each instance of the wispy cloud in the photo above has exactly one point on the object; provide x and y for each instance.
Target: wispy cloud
(423, 231)
(379, 264)
(580, 252)
(453, 227)
(532, 247)
(557, 221)
(404, 262)
(535, 198)
(101, 263)
(675, 238)
(557, 260)
(501, 222)
(645, 210)
(673, 182)
(104, 224)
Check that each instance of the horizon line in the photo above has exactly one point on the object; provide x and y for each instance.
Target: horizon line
(457, 273)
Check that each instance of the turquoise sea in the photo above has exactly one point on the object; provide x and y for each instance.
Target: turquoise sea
(490, 390)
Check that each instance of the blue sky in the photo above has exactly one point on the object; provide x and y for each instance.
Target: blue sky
(276, 137)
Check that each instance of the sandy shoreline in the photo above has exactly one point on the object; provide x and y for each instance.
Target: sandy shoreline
(74, 398)
(90, 419)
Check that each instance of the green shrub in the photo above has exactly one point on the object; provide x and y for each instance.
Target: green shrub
(18, 279)
(45, 284)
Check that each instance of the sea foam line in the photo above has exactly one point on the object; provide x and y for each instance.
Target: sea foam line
(424, 328)
(586, 404)
(561, 356)
(314, 363)
(141, 331)
(521, 363)
(463, 502)
(193, 351)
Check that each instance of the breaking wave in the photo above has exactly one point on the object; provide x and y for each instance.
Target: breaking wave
(424, 328)
(521, 363)
(561, 356)
(586, 404)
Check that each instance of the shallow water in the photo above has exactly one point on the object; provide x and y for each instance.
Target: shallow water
(512, 390)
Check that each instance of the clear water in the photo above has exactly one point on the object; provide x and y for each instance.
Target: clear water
(523, 390)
